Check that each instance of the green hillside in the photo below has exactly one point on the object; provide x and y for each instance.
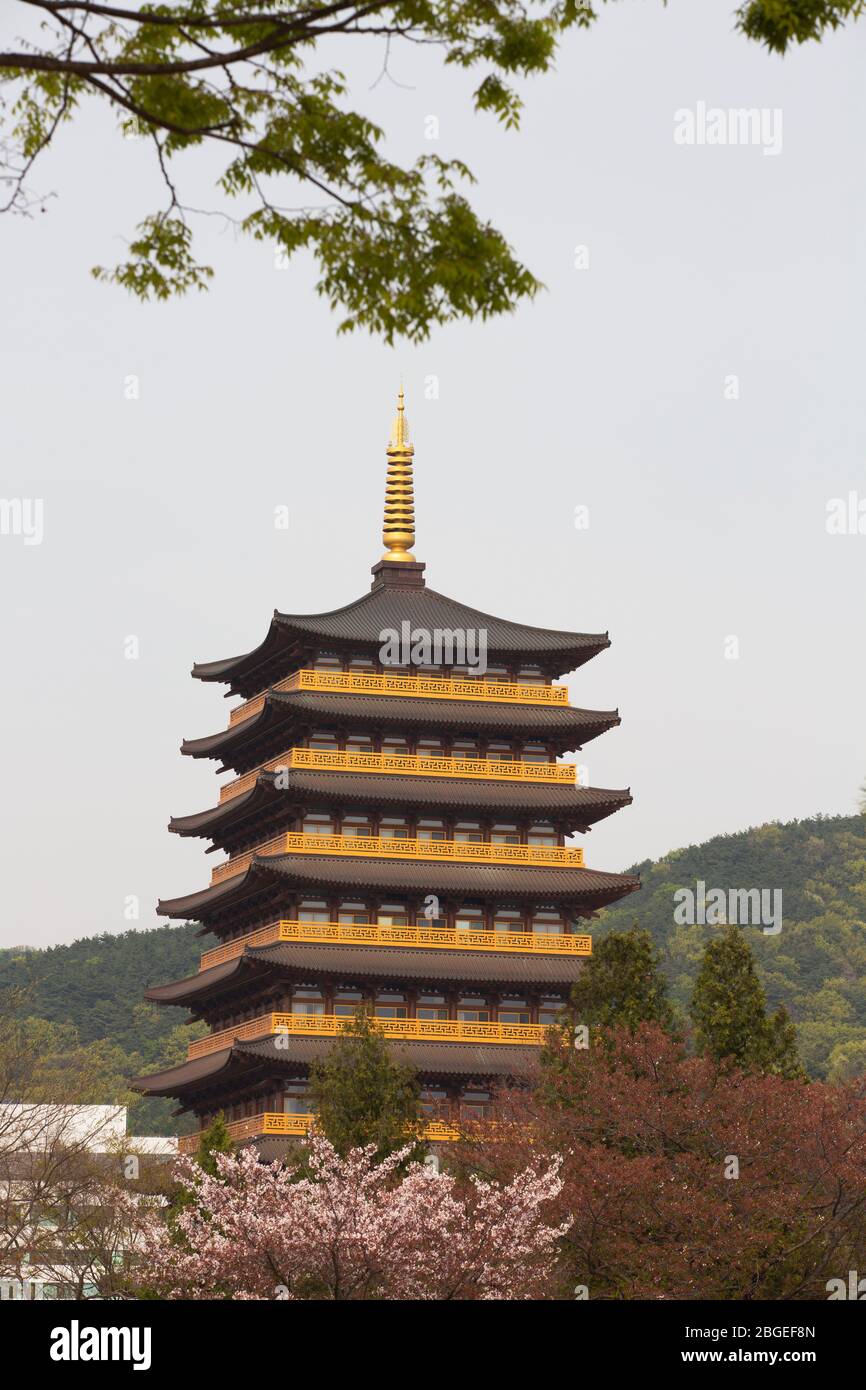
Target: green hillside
(816, 965)
(97, 985)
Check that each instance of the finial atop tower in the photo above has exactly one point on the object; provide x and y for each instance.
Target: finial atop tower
(398, 532)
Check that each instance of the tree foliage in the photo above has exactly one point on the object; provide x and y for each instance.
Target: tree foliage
(352, 1228)
(621, 984)
(729, 1011)
(90, 992)
(361, 1096)
(779, 24)
(399, 247)
(683, 1178)
(816, 965)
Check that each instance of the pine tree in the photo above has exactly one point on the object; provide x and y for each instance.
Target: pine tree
(622, 984)
(361, 1096)
(729, 1012)
(212, 1141)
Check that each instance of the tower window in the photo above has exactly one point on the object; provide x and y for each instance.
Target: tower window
(356, 825)
(318, 825)
(431, 1006)
(475, 1104)
(323, 739)
(296, 1100)
(548, 922)
(393, 915)
(542, 835)
(472, 1010)
(468, 831)
(509, 921)
(464, 748)
(353, 913)
(313, 910)
(391, 1006)
(393, 828)
(430, 830)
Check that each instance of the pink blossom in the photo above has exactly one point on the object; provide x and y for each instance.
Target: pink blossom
(353, 1229)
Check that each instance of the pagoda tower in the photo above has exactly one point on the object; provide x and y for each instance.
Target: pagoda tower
(395, 835)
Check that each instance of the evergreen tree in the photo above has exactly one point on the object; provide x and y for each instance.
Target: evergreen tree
(212, 1141)
(361, 1096)
(729, 1012)
(621, 984)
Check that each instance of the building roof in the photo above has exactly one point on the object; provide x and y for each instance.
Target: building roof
(311, 873)
(579, 805)
(360, 625)
(336, 960)
(288, 709)
(429, 1059)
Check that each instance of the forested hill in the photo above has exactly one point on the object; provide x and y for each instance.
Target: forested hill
(92, 994)
(816, 965)
(98, 982)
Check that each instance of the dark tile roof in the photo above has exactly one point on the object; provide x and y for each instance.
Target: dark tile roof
(582, 805)
(363, 621)
(307, 872)
(438, 1058)
(475, 1060)
(176, 1079)
(179, 990)
(384, 963)
(284, 708)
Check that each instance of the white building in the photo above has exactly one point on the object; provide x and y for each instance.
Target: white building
(36, 1143)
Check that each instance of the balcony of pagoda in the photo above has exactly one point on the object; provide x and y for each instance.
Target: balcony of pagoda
(411, 935)
(381, 847)
(417, 687)
(405, 765)
(275, 1124)
(331, 1025)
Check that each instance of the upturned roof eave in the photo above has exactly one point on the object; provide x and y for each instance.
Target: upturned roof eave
(374, 790)
(528, 721)
(358, 962)
(508, 637)
(427, 1058)
(592, 887)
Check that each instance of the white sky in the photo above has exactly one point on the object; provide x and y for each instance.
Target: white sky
(707, 515)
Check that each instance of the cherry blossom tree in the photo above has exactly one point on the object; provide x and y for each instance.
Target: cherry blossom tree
(351, 1228)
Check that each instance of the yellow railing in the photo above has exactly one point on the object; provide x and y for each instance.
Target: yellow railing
(275, 1123)
(426, 687)
(386, 934)
(329, 1025)
(405, 765)
(378, 847)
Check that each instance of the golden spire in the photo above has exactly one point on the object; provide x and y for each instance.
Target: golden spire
(398, 532)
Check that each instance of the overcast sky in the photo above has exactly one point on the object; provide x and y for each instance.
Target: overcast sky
(707, 498)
